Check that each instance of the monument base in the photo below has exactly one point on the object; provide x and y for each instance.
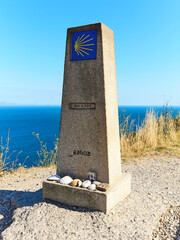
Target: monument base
(81, 197)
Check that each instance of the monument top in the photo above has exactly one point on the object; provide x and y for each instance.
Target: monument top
(88, 27)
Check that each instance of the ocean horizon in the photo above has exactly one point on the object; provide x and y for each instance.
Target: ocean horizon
(22, 121)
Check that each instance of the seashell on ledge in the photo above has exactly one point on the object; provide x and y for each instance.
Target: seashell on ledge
(76, 183)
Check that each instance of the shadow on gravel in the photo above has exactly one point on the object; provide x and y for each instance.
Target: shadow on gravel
(11, 200)
(21, 198)
(178, 232)
(69, 207)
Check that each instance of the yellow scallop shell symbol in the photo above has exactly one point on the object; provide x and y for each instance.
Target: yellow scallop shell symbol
(83, 45)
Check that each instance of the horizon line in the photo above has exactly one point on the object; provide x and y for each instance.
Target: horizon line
(19, 105)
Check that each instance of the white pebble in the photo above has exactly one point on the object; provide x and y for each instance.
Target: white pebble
(66, 180)
(54, 178)
(92, 187)
(86, 183)
(96, 183)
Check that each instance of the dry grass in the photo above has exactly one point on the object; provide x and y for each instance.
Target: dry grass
(20, 170)
(159, 135)
(5, 157)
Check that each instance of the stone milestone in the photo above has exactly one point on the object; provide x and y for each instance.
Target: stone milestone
(89, 145)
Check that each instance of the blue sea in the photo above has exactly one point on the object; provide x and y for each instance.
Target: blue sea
(21, 122)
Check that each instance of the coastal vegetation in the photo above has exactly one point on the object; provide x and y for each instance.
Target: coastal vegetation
(4, 149)
(155, 135)
(46, 157)
(6, 164)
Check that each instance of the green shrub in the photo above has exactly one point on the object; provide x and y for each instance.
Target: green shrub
(46, 158)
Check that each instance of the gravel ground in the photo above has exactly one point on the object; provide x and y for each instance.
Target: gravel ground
(168, 225)
(151, 211)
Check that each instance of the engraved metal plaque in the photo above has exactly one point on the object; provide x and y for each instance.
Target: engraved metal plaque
(81, 106)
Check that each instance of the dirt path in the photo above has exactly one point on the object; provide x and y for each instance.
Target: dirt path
(155, 187)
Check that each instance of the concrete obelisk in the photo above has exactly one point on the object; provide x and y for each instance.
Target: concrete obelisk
(89, 131)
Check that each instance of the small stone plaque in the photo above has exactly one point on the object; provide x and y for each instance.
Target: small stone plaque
(103, 187)
(79, 106)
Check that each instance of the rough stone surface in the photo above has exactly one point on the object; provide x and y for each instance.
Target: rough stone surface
(89, 138)
(155, 187)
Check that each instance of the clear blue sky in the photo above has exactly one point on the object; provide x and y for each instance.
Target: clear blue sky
(147, 48)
